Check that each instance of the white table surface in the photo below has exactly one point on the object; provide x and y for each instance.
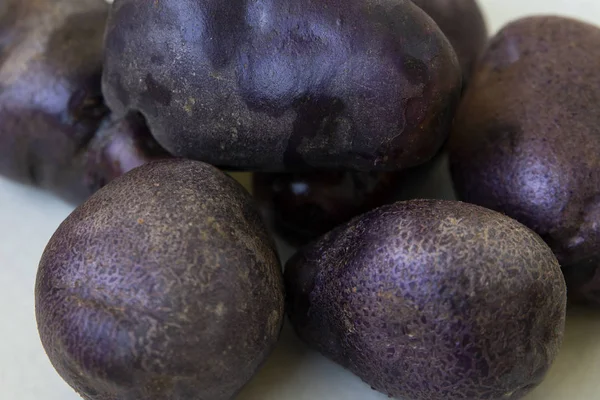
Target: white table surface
(29, 217)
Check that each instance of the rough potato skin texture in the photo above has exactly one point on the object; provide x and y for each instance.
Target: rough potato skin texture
(462, 21)
(526, 138)
(55, 130)
(164, 285)
(432, 300)
(285, 85)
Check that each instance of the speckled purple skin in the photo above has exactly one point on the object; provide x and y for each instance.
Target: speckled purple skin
(164, 285)
(462, 21)
(55, 130)
(432, 300)
(526, 139)
(292, 85)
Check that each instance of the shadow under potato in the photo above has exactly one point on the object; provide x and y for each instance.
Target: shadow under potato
(295, 371)
(578, 360)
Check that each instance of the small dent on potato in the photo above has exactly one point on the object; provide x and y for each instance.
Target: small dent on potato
(189, 106)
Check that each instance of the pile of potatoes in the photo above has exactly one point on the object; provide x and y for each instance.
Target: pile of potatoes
(363, 122)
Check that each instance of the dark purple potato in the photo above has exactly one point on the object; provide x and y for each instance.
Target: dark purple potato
(55, 130)
(462, 21)
(292, 85)
(526, 140)
(432, 300)
(301, 207)
(304, 206)
(164, 285)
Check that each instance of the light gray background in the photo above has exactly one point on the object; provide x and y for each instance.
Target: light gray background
(29, 217)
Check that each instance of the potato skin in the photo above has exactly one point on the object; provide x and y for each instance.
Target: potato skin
(432, 300)
(462, 21)
(527, 135)
(163, 285)
(285, 85)
(55, 130)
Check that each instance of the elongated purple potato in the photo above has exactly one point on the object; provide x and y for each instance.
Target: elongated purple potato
(285, 85)
(526, 139)
(164, 285)
(55, 130)
(432, 300)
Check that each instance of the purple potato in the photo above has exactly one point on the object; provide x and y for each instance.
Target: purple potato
(290, 85)
(163, 285)
(462, 21)
(304, 206)
(526, 138)
(432, 300)
(300, 207)
(55, 130)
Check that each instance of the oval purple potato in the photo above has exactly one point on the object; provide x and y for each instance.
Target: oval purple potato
(287, 85)
(164, 285)
(432, 300)
(55, 130)
(526, 139)
(462, 21)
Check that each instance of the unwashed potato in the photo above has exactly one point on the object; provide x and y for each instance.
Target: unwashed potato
(55, 130)
(285, 85)
(526, 139)
(432, 300)
(164, 285)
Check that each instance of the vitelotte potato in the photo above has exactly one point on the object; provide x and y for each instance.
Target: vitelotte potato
(285, 85)
(432, 300)
(164, 285)
(55, 130)
(527, 138)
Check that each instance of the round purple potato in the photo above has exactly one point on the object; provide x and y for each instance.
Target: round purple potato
(432, 300)
(526, 138)
(55, 130)
(300, 207)
(290, 85)
(462, 21)
(164, 285)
